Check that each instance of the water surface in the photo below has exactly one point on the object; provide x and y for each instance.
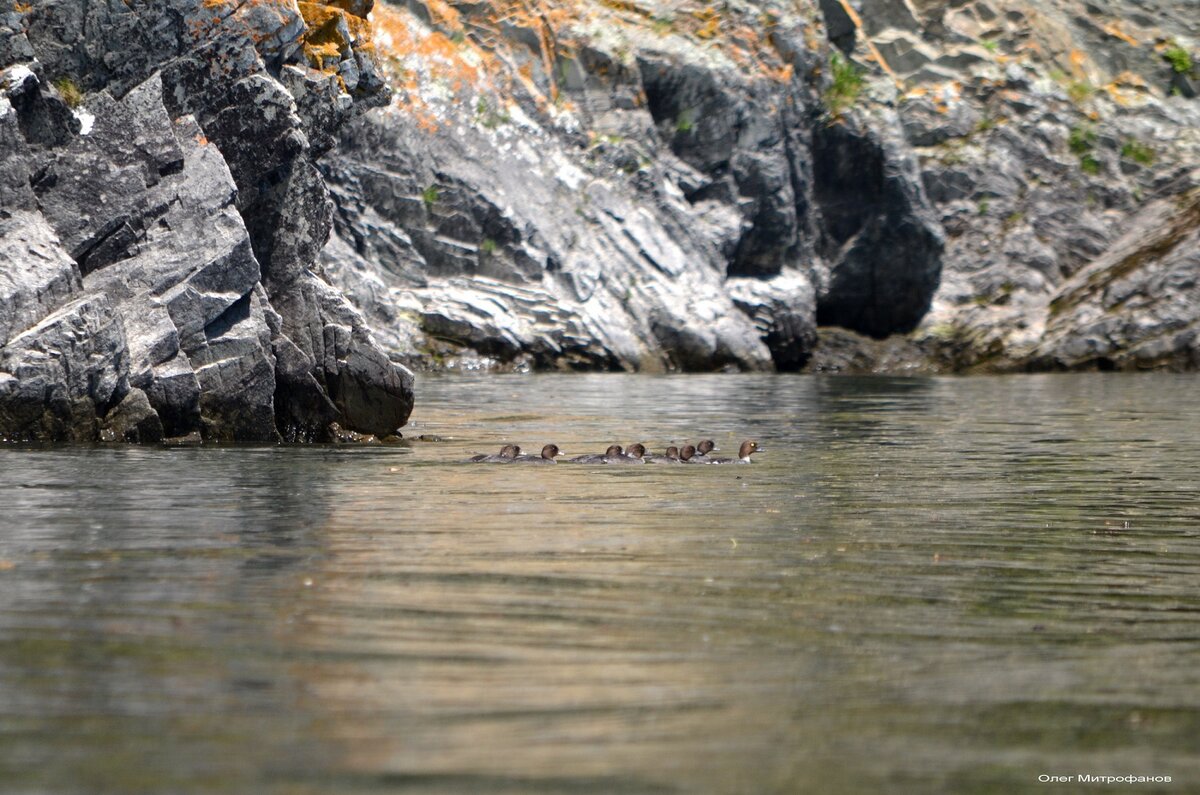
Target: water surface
(923, 585)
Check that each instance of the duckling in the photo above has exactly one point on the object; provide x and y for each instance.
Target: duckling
(632, 455)
(598, 458)
(506, 455)
(702, 450)
(549, 452)
(687, 454)
(672, 457)
(744, 453)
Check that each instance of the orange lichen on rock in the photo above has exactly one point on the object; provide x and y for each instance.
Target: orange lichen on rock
(1114, 29)
(416, 58)
(486, 52)
(331, 33)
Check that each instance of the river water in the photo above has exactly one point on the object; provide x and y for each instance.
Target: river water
(922, 585)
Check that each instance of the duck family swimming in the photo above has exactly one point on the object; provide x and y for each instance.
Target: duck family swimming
(617, 455)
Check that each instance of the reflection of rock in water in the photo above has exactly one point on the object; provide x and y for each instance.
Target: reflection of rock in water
(138, 636)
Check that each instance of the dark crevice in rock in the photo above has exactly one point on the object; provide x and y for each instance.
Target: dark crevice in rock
(883, 247)
(839, 27)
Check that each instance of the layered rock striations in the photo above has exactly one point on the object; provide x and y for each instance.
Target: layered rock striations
(680, 185)
(1059, 142)
(161, 219)
(589, 185)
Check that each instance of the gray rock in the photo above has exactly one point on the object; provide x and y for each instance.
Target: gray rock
(132, 420)
(881, 237)
(159, 207)
(174, 392)
(928, 124)
(905, 51)
(1137, 306)
(38, 276)
(60, 376)
(784, 311)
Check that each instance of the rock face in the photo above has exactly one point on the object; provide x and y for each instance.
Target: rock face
(1135, 307)
(551, 190)
(202, 233)
(1059, 151)
(657, 185)
(161, 223)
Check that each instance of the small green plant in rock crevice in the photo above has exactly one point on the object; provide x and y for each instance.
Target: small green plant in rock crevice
(430, 196)
(488, 116)
(1138, 152)
(1179, 58)
(488, 246)
(685, 122)
(69, 90)
(1082, 141)
(1080, 91)
(846, 86)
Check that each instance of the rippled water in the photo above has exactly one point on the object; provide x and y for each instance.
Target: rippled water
(923, 585)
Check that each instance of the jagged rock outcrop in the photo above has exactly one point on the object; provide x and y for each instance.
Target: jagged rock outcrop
(161, 220)
(1138, 305)
(1051, 136)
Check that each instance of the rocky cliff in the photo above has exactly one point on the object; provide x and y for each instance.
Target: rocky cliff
(203, 232)
(161, 218)
(869, 185)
